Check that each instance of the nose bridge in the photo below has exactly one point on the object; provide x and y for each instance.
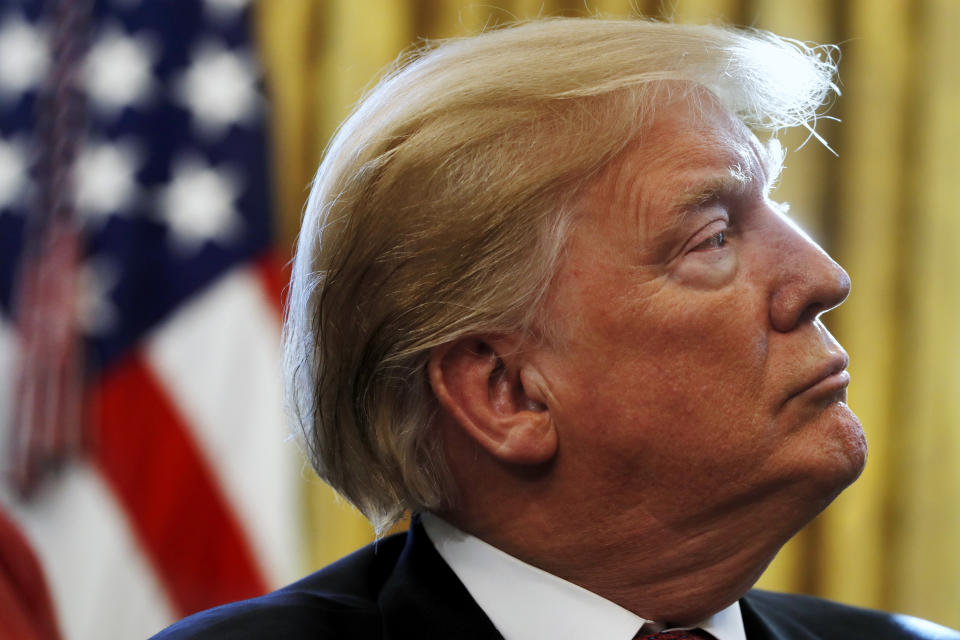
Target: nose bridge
(807, 280)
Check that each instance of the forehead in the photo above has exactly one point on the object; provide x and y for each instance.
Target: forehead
(691, 148)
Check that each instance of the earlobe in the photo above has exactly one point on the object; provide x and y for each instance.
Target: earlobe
(496, 397)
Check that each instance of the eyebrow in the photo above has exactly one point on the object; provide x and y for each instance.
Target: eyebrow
(735, 179)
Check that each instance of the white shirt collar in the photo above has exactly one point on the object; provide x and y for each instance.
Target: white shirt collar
(527, 603)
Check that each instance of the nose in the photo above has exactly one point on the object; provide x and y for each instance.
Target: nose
(808, 282)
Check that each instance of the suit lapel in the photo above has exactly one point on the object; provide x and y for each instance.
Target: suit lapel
(763, 622)
(424, 599)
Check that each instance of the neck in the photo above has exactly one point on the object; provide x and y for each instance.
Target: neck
(665, 568)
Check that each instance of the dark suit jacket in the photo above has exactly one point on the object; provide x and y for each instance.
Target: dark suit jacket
(401, 588)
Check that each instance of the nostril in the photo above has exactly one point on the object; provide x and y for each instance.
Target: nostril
(814, 312)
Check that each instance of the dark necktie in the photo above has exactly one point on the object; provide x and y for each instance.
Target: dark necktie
(678, 634)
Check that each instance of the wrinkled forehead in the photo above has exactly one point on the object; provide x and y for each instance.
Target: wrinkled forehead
(693, 129)
(689, 149)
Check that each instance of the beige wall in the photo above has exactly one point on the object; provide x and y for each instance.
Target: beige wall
(886, 206)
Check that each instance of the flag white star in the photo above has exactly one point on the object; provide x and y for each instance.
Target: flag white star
(219, 89)
(96, 312)
(199, 204)
(105, 180)
(24, 57)
(117, 71)
(225, 9)
(13, 171)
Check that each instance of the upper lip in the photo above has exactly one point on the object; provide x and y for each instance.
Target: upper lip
(835, 364)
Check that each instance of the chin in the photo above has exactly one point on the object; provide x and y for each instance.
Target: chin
(842, 452)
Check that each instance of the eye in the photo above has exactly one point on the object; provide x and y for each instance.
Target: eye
(716, 241)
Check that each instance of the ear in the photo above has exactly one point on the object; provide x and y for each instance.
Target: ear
(496, 397)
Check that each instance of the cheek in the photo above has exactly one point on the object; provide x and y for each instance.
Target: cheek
(713, 353)
(678, 382)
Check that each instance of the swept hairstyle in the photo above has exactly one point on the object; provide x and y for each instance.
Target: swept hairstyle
(441, 206)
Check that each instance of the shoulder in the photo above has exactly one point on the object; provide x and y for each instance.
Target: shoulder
(282, 615)
(829, 619)
(339, 601)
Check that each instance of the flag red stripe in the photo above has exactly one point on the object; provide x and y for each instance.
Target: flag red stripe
(25, 606)
(146, 453)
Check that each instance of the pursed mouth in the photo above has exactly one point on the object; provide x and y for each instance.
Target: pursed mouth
(830, 377)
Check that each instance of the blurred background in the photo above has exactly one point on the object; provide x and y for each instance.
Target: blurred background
(154, 159)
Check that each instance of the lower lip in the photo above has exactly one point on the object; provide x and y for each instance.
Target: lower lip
(832, 383)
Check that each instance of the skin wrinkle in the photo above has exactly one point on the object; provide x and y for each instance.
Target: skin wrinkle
(670, 397)
(730, 180)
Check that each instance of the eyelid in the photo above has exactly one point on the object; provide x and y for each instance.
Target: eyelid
(707, 233)
(716, 241)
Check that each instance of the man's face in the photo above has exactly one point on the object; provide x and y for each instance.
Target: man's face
(695, 377)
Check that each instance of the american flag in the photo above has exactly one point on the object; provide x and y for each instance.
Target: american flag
(145, 468)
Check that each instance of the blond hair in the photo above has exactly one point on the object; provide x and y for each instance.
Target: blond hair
(440, 210)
